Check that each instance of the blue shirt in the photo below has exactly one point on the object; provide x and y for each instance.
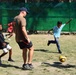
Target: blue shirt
(57, 31)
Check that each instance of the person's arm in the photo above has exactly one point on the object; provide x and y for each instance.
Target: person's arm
(25, 33)
(0, 27)
(23, 26)
(50, 30)
(69, 21)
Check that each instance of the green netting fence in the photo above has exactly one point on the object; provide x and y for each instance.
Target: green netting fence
(42, 16)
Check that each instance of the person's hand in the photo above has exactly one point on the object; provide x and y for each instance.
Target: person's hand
(28, 40)
(71, 18)
(4, 44)
(48, 32)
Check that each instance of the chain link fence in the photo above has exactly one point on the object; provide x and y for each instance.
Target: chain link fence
(42, 16)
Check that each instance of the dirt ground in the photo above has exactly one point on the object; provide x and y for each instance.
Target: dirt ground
(45, 59)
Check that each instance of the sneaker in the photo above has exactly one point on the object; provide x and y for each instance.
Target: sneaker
(60, 52)
(48, 43)
(31, 66)
(26, 67)
(10, 60)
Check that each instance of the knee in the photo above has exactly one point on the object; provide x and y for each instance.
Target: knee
(32, 48)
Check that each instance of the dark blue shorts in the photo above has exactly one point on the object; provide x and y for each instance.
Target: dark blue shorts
(24, 44)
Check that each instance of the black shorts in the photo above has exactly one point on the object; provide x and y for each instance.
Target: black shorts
(23, 45)
(2, 38)
(1, 45)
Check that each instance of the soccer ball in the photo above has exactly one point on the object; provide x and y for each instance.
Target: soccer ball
(62, 58)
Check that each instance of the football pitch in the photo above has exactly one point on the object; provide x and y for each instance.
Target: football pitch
(45, 59)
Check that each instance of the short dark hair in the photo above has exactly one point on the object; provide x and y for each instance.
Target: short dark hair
(59, 22)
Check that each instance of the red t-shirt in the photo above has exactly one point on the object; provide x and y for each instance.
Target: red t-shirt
(10, 27)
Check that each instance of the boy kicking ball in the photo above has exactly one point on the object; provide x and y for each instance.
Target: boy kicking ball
(56, 33)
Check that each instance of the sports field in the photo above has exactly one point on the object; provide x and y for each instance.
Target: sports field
(45, 59)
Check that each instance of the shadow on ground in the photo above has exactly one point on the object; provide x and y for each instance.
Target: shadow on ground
(8, 65)
(43, 50)
(59, 65)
